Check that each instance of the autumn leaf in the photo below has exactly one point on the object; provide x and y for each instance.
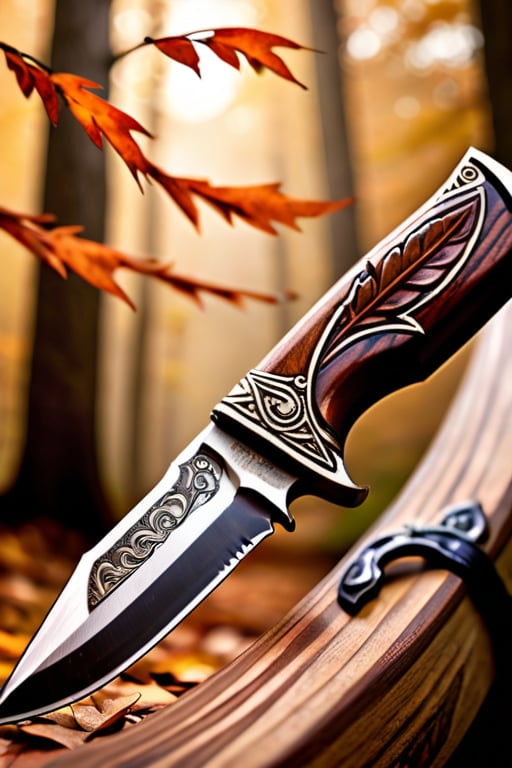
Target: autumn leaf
(60, 734)
(62, 249)
(226, 43)
(261, 204)
(31, 232)
(32, 75)
(100, 118)
(102, 712)
(257, 205)
(97, 117)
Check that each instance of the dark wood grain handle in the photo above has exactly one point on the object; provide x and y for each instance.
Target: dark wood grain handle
(392, 320)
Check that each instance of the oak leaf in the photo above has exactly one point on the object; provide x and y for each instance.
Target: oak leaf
(31, 74)
(258, 205)
(62, 249)
(226, 43)
(100, 118)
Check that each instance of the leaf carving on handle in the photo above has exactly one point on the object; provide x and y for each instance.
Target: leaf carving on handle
(383, 297)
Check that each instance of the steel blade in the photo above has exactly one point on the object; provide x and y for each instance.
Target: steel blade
(146, 575)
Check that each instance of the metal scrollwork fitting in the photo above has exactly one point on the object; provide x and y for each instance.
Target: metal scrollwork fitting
(197, 483)
(279, 405)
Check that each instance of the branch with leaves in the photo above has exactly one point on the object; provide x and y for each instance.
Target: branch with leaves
(62, 249)
(258, 205)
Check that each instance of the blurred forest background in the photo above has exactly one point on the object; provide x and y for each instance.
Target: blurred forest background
(96, 399)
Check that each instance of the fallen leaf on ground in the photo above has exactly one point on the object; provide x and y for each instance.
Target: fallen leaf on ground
(103, 712)
(66, 737)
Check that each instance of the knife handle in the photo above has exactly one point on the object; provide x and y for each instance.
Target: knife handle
(392, 320)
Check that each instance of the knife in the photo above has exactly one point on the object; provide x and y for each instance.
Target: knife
(393, 319)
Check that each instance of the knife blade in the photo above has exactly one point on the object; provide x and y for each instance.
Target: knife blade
(395, 317)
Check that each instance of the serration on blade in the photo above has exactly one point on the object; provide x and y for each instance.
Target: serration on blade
(144, 577)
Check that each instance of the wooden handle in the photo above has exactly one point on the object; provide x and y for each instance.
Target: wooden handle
(399, 314)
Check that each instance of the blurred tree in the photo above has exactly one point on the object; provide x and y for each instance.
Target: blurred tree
(58, 477)
(330, 87)
(496, 18)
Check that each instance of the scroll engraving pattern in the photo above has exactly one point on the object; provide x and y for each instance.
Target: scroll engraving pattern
(382, 298)
(198, 482)
(468, 176)
(279, 405)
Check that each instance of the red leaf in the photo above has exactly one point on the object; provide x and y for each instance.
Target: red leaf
(30, 76)
(178, 48)
(27, 231)
(226, 43)
(258, 205)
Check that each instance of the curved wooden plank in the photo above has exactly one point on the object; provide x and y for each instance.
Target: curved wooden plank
(397, 685)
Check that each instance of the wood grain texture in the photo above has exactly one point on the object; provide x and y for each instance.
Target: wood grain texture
(392, 320)
(404, 309)
(397, 685)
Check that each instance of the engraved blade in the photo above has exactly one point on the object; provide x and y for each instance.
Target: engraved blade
(148, 573)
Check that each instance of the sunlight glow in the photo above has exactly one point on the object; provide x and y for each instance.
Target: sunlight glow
(368, 40)
(451, 45)
(363, 43)
(193, 99)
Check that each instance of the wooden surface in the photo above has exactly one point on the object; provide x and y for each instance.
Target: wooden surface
(397, 685)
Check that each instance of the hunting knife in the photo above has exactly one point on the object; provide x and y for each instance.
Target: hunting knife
(392, 320)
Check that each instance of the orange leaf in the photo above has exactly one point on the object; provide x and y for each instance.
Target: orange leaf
(95, 262)
(192, 288)
(226, 43)
(29, 76)
(98, 117)
(260, 205)
(257, 205)
(28, 231)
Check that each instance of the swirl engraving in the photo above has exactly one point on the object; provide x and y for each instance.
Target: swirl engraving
(197, 483)
(467, 176)
(280, 405)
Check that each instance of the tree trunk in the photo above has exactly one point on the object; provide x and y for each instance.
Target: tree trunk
(330, 87)
(58, 478)
(496, 18)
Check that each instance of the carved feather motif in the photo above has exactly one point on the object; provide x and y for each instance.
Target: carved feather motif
(383, 297)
